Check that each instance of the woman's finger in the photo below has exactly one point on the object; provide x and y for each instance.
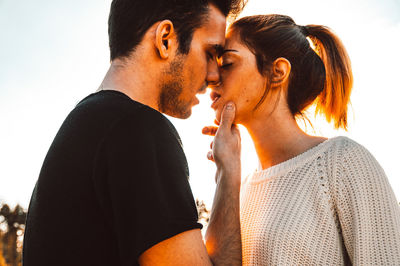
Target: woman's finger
(210, 130)
(210, 156)
(211, 144)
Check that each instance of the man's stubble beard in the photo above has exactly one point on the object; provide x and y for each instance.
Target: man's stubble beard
(171, 90)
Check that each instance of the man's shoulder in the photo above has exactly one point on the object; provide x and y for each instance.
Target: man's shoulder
(147, 124)
(107, 102)
(113, 107)
(116, 112)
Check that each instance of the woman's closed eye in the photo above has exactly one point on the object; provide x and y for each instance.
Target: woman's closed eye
(226, 65)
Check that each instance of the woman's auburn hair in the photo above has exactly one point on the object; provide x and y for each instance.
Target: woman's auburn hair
(321, 74)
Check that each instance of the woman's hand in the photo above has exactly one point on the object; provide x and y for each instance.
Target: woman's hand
(226, 147)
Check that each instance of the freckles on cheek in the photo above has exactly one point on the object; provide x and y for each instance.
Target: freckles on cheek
(243, 94)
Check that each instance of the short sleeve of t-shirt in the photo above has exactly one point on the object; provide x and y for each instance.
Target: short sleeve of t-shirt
(145, 193)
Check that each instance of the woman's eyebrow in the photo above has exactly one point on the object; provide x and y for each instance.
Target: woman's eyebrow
(228, 51)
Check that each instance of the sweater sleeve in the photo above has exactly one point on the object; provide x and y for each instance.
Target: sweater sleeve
(367, 208)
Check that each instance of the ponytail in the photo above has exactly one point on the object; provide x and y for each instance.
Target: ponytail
(333, 100)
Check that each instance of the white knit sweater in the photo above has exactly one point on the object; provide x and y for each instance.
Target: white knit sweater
(331, 205)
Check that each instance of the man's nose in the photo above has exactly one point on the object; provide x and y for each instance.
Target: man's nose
(213, 75)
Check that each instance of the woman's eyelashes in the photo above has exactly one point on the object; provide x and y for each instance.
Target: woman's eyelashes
(226, 65)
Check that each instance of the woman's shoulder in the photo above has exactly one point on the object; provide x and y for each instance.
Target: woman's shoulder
(341, 141)
(345, 146)
(353, 159)
(347, 157)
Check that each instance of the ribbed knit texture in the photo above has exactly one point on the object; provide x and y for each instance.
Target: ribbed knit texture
(331, 205)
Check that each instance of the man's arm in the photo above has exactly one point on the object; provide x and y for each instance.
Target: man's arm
(186, 248)
(223, 238)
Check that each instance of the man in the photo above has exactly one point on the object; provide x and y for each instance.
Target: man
(113, 189)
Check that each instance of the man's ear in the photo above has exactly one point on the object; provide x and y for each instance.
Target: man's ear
(280, 71)
(164, 35)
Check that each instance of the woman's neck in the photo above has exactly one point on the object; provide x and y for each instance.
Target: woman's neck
(277, 139)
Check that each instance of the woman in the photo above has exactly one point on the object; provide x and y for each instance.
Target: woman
(314, 201)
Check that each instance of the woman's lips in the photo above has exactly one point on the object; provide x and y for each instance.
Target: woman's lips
(214, 97)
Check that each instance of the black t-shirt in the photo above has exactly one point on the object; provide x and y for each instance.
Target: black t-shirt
(113, 184)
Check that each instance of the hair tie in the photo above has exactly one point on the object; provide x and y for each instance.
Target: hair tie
(304, 30)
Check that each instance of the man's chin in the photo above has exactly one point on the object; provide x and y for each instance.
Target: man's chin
(185, 116)
(180, 115)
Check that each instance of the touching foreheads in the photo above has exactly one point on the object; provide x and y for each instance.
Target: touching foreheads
(129, 20)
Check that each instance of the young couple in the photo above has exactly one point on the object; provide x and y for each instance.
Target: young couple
(113, 189)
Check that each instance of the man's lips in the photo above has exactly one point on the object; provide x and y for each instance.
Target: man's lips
(214, 97)
(203, 89)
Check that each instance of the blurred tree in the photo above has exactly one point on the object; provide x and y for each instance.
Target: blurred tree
(2, 260)
(14, 223)
(204, 213)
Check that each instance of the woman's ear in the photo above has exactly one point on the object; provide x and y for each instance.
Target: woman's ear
(164, 35)
(280, 71)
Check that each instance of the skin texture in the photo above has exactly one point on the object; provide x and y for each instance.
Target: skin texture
(182, 75)
(273, 128)
(157, 75)
(166, 253)
(196, 70)
(223, 234)
(241, 82)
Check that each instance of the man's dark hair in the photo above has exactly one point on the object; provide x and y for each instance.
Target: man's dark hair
(130, 19)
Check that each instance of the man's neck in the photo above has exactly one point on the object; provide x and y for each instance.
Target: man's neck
(133, 80)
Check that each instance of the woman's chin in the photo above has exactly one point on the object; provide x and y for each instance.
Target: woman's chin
(218, 113)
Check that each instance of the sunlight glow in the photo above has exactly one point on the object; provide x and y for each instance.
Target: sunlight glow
(54, 54)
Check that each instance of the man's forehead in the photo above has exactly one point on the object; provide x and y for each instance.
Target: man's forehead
(213, 30)
(215, 17)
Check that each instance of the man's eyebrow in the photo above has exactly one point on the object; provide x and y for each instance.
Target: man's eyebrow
(218, 49)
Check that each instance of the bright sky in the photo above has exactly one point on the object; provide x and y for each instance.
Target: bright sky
(54, 53)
